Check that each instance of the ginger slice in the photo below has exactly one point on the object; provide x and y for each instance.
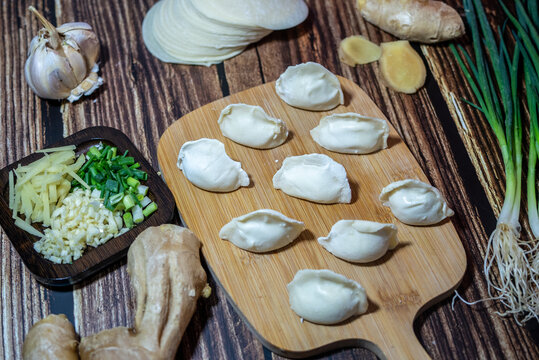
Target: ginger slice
(401, 67)
(357, 50)
(426, 21)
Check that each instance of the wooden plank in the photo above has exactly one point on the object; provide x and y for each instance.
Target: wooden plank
(143, 97)
(23, 301)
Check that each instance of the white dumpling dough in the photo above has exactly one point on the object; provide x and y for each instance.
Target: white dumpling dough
(249, 125)
(206, 32)
(360, 241)
(325, 297)
(314, 177)
(415, 203)
(268, 14)
(351, 133)
(309, 86)
(262, 230)
(205, 163)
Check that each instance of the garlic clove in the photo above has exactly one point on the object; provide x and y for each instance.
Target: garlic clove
(77, 63)
(46, 80)
(83, 35)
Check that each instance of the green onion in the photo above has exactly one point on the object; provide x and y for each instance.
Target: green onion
(115, 199)
(104, 152)
(495, 81)
(128, 220)
(145, 201)
(94, 152)
(128, 160)
(142, 189)
(132, 182)
(138, 215)
(85, 166)
(129, 201)
(111, 185)
(117, 180)
(150, 209)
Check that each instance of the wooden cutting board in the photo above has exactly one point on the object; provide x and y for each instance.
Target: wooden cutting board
(426, 266)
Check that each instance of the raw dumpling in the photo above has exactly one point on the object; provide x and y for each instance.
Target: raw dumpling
(314, 177)
(351, 133)
(325, 297)
(415, 203)
(261, 230)
(309, 86)
(360, 241)
(205, 163)
(250, 126)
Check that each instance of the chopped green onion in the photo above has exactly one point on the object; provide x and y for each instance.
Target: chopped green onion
(116, 180)
(128, 201)
(85, 166)
(128, 160)
(116, 198)
(128, 220)
(104, 152)
(111, 185)
(145, 201)
(140, 175)
(138, 215)
(133, 182)
(94, 152)
(142, 189)
(150, 209)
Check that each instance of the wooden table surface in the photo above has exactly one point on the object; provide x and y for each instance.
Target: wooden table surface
(143, 96)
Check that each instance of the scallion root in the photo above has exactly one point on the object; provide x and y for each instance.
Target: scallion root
(511, 275)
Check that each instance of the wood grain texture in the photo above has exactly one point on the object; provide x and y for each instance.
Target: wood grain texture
(429, 262)
(143, 96)
(23, 301)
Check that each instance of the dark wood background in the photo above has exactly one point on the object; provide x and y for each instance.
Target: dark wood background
(142, 97)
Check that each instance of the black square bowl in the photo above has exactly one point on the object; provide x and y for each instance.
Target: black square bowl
(93, 259)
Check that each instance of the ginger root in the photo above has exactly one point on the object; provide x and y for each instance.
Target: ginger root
(401, 67)
(426, 21)
(356, 49)
(167, 277)
(51, 338)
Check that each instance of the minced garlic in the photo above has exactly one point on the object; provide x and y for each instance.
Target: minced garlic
(80, 221)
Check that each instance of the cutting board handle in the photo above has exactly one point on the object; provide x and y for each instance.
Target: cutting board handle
(398, 344)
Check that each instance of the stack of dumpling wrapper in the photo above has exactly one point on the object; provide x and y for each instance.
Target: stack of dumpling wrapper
(206, 32)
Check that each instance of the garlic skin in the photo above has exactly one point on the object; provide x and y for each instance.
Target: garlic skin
(62, 62)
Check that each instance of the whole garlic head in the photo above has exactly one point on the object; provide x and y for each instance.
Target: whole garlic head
(62, 61)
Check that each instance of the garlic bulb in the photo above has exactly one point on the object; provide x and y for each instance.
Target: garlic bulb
(62, 61)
